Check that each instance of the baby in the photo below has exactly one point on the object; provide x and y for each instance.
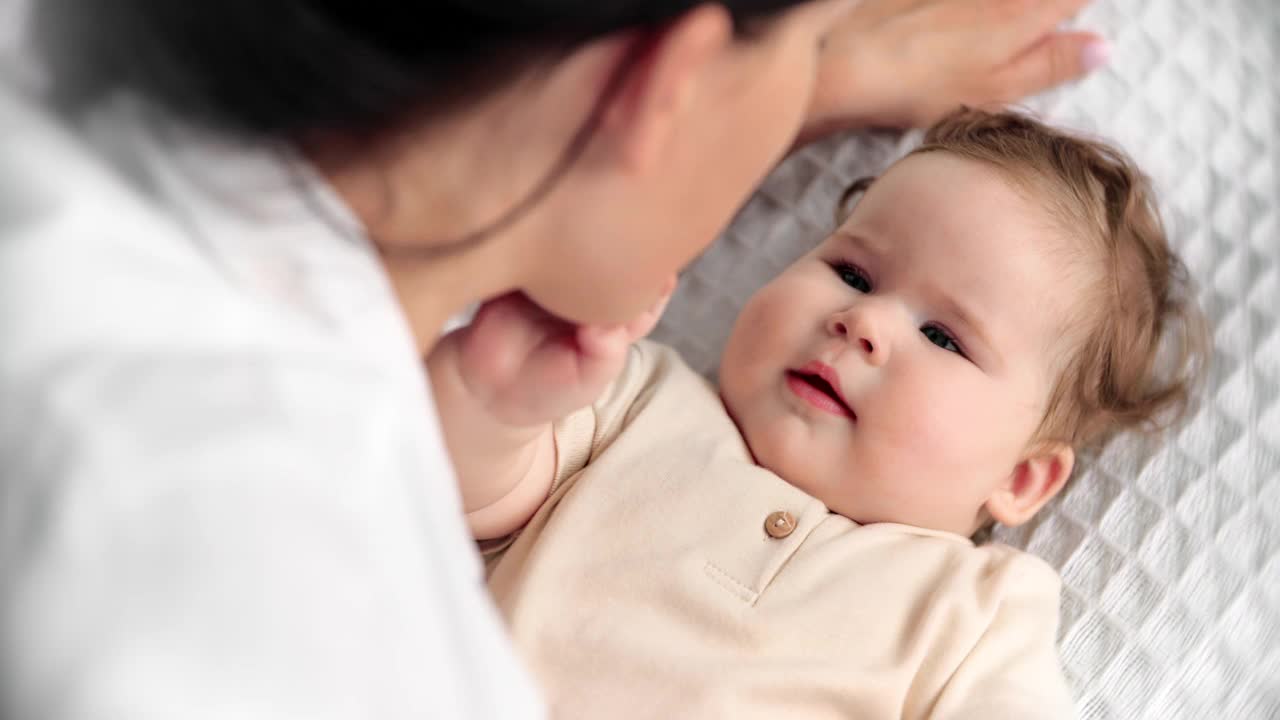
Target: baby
(799, 545)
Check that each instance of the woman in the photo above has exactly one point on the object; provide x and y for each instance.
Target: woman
(226, 252)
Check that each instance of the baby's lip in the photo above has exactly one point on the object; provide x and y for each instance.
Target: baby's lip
(828, 374)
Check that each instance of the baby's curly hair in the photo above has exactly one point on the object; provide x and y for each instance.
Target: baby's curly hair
(1141, 344)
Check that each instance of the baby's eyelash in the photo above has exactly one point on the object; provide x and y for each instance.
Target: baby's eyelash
(852, 275)
(934, 332)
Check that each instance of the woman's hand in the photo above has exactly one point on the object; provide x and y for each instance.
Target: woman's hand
(527, 367)
(906, 63)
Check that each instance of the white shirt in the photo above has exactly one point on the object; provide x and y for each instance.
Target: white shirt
(224, 492)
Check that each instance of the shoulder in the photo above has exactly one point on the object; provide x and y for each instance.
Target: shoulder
(651, 370)
(85, 262)
(655, 364)
(655, 388)
(658, 358)
(988, 581)
(1018, 596)
(127, 341)
(1008, 572)
(660, 386)
(1005, 582)
(994, 568)
(1012, 669)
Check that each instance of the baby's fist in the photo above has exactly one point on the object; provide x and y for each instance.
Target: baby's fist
(528, 367)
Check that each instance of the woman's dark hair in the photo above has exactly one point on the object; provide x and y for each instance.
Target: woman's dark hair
(282, 68)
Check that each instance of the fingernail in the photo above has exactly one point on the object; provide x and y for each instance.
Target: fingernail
(1095, 54)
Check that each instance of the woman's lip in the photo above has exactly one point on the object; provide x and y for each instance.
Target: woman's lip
(816, 398)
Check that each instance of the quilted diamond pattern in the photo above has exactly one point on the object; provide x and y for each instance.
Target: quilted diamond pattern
(1169, 551)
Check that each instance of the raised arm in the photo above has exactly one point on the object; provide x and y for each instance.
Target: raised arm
(500, 384)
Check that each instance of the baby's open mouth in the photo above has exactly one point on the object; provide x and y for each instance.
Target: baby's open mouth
(819, 392)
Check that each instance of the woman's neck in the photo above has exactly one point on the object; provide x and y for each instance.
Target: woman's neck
(433, 289)
(425, 188)
(421, 200)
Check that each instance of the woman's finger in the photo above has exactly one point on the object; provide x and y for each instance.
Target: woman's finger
(1056, 59)
(1018, 22)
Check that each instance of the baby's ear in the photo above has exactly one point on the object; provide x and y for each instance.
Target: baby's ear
(1033, 482)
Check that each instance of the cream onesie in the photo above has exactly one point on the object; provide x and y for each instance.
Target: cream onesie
(668, 576)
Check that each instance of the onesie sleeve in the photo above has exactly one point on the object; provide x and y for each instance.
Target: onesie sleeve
(1013, 671)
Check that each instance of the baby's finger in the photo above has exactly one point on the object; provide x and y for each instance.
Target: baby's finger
(498, 342)
(599, 342)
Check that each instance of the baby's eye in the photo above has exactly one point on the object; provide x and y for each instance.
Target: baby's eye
(852, 276)
(939, 337)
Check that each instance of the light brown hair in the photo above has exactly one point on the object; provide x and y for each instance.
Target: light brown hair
(1140, 343)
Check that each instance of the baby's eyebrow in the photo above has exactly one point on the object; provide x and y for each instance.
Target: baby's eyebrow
(852, 238)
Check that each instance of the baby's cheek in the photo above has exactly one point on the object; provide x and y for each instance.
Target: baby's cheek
(766, 326)
(748, 360)
(949, 426)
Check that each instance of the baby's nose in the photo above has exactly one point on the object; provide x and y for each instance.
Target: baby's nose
(858, 327)
(839, 327)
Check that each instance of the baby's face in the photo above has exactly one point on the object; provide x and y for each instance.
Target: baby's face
(900, 370)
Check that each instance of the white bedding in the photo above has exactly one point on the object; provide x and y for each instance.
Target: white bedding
(1170, 554)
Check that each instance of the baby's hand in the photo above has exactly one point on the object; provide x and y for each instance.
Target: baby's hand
(528, 367)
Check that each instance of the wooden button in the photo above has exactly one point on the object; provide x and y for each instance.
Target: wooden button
(779, 524)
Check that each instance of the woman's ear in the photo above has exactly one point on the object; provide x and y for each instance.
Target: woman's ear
(1034, 481)
(659, 87)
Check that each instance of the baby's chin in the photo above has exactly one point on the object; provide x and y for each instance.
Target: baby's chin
(789, 454)
(790, 463)
(785, 457)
